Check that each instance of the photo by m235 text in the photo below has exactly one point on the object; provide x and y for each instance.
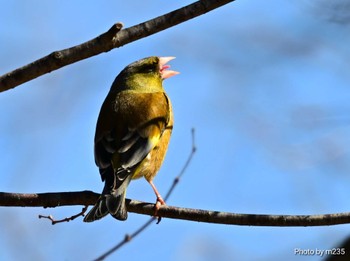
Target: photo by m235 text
(319, 252)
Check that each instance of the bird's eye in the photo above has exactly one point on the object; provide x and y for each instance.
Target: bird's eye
(148, 69)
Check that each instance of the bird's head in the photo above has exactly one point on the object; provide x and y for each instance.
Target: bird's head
(145, 74)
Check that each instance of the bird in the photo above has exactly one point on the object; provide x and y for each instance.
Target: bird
(132, 133)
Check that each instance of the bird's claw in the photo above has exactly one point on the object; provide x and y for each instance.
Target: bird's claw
(158, 204)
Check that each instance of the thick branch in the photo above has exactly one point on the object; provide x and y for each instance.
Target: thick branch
(89, 198)
(48, 200)
(113, 38)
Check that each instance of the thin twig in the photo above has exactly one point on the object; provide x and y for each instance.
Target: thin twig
(67, 219)
(189, 159)
(113, 38)
(128, 238)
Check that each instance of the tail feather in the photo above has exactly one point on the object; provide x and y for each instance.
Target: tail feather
(116, 206)
(112, 202)
(98, 211)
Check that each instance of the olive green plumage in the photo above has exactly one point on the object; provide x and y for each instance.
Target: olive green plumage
(132, 133)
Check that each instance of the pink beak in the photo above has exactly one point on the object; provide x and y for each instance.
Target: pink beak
(163, 67)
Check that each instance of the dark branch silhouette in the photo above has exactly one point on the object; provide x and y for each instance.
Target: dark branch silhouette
(113, 38)
(67, 219)
(89, 198)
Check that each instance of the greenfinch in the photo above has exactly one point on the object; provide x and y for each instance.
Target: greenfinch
(132, 133)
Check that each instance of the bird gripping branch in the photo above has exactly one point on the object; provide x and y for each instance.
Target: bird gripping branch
(132, 133)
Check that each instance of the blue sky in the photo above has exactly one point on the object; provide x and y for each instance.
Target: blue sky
(264, 83)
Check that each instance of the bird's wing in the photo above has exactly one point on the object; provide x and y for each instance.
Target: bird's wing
(138, 121)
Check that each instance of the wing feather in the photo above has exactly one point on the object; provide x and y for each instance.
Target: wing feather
(128, 128)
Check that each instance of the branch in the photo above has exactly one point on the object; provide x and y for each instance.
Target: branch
(48, 200)
(67, 219)
(113, 38)
(89, 198)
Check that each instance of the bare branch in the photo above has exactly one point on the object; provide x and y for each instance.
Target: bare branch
(241, 219)
(67, 219)
(113, 38)
(189, 159)
(48, 200)
(89, 198)
(126, 239)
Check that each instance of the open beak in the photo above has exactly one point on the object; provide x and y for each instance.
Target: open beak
(163, 67)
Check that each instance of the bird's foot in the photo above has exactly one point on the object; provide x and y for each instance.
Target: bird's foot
(160, 202)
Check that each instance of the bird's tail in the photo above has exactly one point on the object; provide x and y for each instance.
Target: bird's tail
(111, 201)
